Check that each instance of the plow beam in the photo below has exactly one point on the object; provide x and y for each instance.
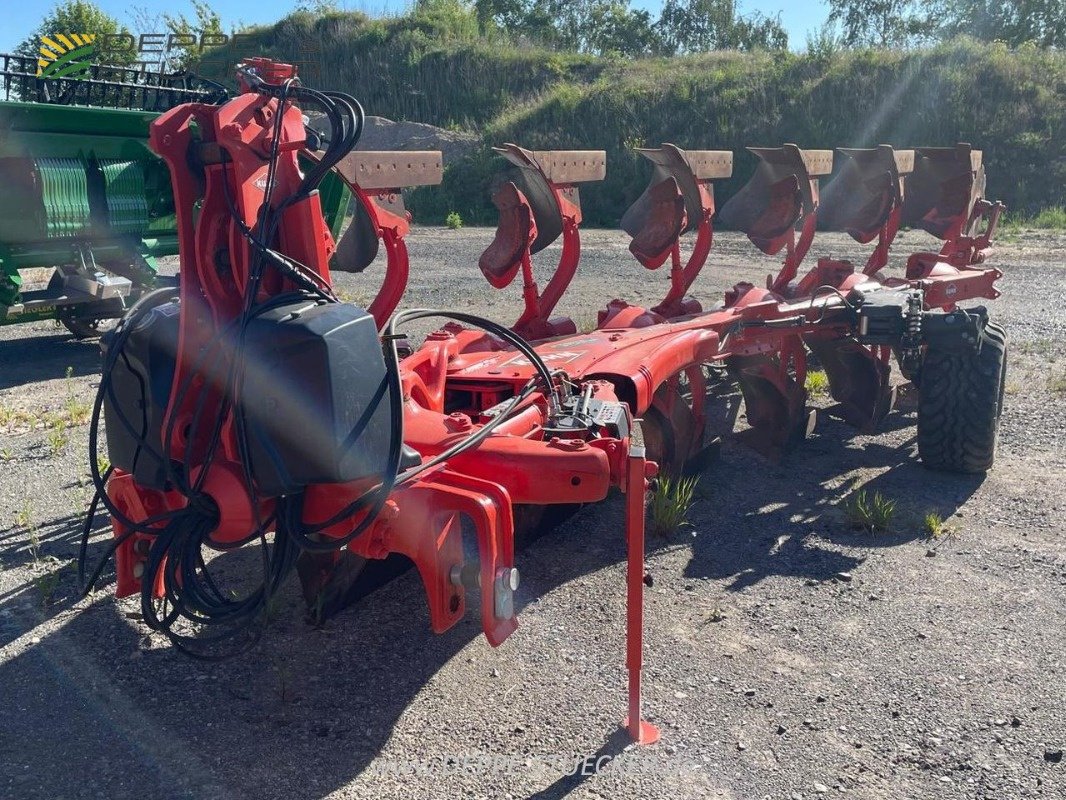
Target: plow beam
(538, 201)
(679, 198)
(376, 180)
(782, 193)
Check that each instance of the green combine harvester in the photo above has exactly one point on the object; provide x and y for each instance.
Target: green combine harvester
(83, 193)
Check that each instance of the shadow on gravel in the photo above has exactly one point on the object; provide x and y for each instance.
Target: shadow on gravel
(760, 520)
(615, 744)
(30, 359)
(307, 710)
(130, 720)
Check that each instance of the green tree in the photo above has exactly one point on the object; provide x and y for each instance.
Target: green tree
(588, 26)
(79, 16)
(1015, 22)
(617, 29)
(699, 26)
(205, 21)
(880, 23)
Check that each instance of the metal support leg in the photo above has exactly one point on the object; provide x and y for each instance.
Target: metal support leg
(641, 731)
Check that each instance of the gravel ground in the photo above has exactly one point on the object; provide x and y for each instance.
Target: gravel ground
(786, 656)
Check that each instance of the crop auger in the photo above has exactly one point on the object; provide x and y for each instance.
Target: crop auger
(255, 409)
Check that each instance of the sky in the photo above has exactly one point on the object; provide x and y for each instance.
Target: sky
(20, 19)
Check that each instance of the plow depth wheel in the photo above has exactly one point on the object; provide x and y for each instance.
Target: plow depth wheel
(959, 404)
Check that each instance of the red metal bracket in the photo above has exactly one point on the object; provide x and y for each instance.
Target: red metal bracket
(782, 192)
(679, 198)
(538, 200)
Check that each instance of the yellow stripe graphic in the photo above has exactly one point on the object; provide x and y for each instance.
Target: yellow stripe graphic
(77, 39)
(69, 44)
(46, 41)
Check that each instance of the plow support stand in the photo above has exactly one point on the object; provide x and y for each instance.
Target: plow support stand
(641, 731)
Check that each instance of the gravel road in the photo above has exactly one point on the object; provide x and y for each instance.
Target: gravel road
(787, 656)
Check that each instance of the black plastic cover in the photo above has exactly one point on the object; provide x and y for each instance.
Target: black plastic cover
(140, 388)
(315, 397)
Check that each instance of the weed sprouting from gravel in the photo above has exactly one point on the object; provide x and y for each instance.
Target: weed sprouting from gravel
(933, 525)
(817, 383)
(717, 613)
(47, 582)
(355, 298)
(7, 454)
(670, 504)
(57, 440)
(453, 220)
(78, 411)
(871, 513)
(24, 519)
(1056, 384)
(284, 676)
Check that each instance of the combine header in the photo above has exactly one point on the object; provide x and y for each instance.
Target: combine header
(252, 408)
(84, 193)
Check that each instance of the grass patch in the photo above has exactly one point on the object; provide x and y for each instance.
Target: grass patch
(587, 321)
(57, 440)
(871, 513)
(1052, 218)
(670, 504)
(1037, 347)
(47, 583)
(78, 411)
(24, 519)
(1056, 384)
(933, 525)
(817, 383)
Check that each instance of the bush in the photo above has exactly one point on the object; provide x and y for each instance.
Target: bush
(453, 220)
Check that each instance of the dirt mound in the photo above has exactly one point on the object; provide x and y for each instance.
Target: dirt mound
(385, 134)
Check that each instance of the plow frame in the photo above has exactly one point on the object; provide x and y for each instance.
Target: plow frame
(612, 411)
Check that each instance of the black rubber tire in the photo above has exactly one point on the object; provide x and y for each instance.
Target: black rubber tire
(959, 405)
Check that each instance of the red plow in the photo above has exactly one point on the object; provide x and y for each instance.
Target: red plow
(255, 409)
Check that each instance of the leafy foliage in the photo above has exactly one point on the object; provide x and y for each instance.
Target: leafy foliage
(871, 513)
(205, 21)
(698, 26)
(444, 72)
(880, 23)
(893, 23)
(77, 16)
